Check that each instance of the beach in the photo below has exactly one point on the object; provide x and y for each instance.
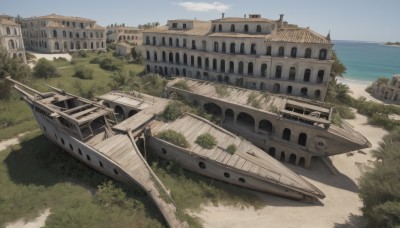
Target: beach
(340, 208)
(357, 88)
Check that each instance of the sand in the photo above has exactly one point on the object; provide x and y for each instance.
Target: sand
(50, 57)
(37, 222)
(340, 208)
(358, 88)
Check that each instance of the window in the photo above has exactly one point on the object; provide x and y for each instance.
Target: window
(163, 41)
(281, 51)
(263, 70)
(54, 33)
(242, 48)
(269, 50)
(163, 150)
(8, 31)
(240, 67)
(170, 41)
(246, 28)
(154, 41)
(227, 175)
(71, 147)
(307, 54)
(88, 157)
(214, 64)
(101, 164)
(223, 47)
(174, 25)
(293, 52)
(241, 179)
(184, 43)
(147, 40)
(289, 90)
(302, 139)
(258, 28)
(116, 171)
(219, 28)
(232, 28)
(253, 49)
(322, 54)
(171, 57)
(62, 141)
(147, 55)
(304, 91)
(163, 57)
(222, 66)
(286, 134)
(278, 72)
(79, 152)
(231, 66)
(307, 74)
(292, 73)
(185, 59)
(192, 60)
(232, 48)
(250, 68)
(199, 62)
(202, 165)
(320, 76)
(216, 46)
(184, 26)
(193, 44)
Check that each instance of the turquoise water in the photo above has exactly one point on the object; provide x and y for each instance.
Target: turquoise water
(368, 61)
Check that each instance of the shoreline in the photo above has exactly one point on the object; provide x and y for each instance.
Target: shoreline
(357, 88)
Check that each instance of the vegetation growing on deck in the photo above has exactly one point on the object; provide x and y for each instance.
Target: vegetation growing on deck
(174, 137)
(206, 140)
(222, 90)
(231, 149)
(182, 85)
(253, 100)
(172, 111)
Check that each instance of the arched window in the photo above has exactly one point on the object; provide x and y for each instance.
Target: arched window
(292, 73)
(177, 58)
(223, 47)
(246, 28)
(258, 28)
(317, 94)
(304, 91)
(204, 45)
(207, 63)
(231, 67)
(77, 35)
(193, 44)
(171, 57)
(11, 44)
(85, 45)
(269, 50)
(71, 35)
(164, 58)
(154, 40)
(263, 70)
(278, 72)
(222, 66)
(240, 67)
(265, 125)
(281, 51)
(286, 134)
(64, 34)
(147, 40)
(232, 28)
(307, 54)
(216, 46)
(322, 54)
(170, 41)
(250, 68)
(302, 139)
(56, 46)
(163, 41)
(242, 48)
(253, 49)
(213, 29)
(320, 76)
(192, 60)
(277, 88)
(8, 31)
(54, 33)
(307, 75)
(185, 59)
(155, 56)
(219, 28)
(15, 31)
(199, 62)
(147, 55)
(214, 64)
(232, 48)
(184, 43)
(289, 90)
(293, 52)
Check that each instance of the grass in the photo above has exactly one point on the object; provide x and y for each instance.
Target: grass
(222, 90)
(231, 149)
(182, 85)
(172, 111)
(206, 140)
(174, 137)
(253, 100)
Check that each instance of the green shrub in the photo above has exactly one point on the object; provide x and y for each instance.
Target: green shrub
(45, 69)
(111, 64)
(174, 137)
(206, 140)
(231, 149)
(222, 90)
(182, 85)
(60, 59)
(345, 112)
(83, 72)
(96, 60)
(172, 111)
(253, 100)
(29, 56)
(82, 53)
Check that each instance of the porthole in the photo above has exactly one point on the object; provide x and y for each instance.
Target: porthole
(62, 141)
(116, 172)
(227, 175)
(44, 129)
(101, 164)
(164, 151)
(241, 179)
(202, 165)
(79, 152)
(88, 157)
(70, 146)
(55, 136)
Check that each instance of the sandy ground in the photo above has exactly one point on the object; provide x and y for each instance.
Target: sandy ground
(11, 142)
(38, 222)
(358, 88)
(50, 57)
(340, 208)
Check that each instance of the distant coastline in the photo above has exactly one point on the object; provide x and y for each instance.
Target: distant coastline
(396, 44)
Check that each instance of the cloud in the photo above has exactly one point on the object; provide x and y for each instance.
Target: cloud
(204, 6)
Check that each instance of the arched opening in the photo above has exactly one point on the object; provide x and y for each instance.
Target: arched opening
(54, 33)
(198, 75)
(265, 125)
(148, 68)
(241, 48)
(207, 63)
(170, 41)
(229, 115)
(278, 72)
(184, 72)
(286, 134)
(258, 28)
(185, 59)
(163, 55)
(246, 28)
(240, 70)
(292, 73)
(282, 158)
(11, 44)
(250, 68)
(232, 28)
(307, 53)
(302, 141)
(119, 113)
(304, 91)
(269, 51)
(302, 162)
(199, 62)
(245, 120)
(171, 57)
(281, 51)
(85, 46)
(56, 46)
(216, 46)
(232, 48)
(293, 52)
(289, 90)
(213, 109)
(241, 179)
(202, 165)
(177, 42)
(155, 56)
(320, 76)
(277, 88)
(192, 61)
(177, 73)
(322, 54)
(271, 151)
(131, 113)
(193, 45)
(223, 47)
(219, 28)
(263, 70)
(292, 159)
(307, 75)
(204, 45)
(231, 66)
(214, 67)
(253, 50)
(317, 94)
(222, 69)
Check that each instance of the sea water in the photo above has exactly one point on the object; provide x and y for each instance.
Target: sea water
(367, 61)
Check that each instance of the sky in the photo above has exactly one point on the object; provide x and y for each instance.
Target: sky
(361, 20)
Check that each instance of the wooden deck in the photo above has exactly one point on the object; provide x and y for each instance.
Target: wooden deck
(247, 158)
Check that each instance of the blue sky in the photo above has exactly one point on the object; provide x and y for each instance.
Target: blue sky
(366, 20)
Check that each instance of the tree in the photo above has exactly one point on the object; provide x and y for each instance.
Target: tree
(13, 67)
(45, 69)
(334, 89)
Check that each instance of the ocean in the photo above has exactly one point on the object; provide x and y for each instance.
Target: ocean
(366, 61)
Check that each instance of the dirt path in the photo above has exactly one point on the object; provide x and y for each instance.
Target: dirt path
(11, 142)
(38, 222)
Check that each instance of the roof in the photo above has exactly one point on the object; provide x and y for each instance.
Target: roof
(297, 35)
(8, 22)
(60, 17)
(242, 19)
(200, 29)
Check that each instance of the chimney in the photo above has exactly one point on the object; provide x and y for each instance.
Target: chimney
(281, 21)
(223, 15)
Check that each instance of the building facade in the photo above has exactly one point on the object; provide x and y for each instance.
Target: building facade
(124, 33)
(387, 91)
(11, 38)
(123, 49)
(253, 52)
(58, 34)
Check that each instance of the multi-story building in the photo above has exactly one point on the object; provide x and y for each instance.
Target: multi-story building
(11, 37)
(251, 52)
(123, 33)
(55, 33)
(388, 91)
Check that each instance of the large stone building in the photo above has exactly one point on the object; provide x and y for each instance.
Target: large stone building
(11, 37)
(55, 34)
(124, 33)
(388, 91)
(252, 52)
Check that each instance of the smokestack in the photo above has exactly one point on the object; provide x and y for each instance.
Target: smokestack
(223, 15)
